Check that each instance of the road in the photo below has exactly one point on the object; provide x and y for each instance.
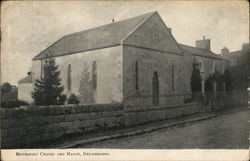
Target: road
(229, 131)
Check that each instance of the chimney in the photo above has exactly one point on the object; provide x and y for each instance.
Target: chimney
(169, 30)
(203, 44)
(225, 51)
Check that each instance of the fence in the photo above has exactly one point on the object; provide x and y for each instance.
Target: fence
(184, 98)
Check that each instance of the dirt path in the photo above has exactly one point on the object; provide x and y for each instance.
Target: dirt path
(229, 131)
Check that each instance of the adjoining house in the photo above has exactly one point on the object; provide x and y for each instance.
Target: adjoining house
(240, 64)
(136, 60)
(208, 61)
(25, 88)
(239, 57)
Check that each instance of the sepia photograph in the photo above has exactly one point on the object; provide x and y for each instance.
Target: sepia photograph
(124, 75)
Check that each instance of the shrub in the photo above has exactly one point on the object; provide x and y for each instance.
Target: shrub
(73, 99)
(6, 87)
(195, 79)
(62, 99)
(13, 103)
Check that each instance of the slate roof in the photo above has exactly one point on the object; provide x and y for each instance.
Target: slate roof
(109, 35)
(232, 55)
(235, 52)
(27, 79)
(200, 52)
(104, 36)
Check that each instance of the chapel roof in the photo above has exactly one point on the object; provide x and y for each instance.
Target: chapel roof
(200, 52)
(108, 35)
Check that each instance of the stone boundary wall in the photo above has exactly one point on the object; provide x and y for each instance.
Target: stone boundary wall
(139, 115)
(28, 125)
(21, 127)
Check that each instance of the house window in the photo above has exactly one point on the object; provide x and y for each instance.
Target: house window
(223, 67)
(69, 78)
(157, 36)
(136, 75)
(94, 75)
(173, 77)
(213, 67)
(202, 65)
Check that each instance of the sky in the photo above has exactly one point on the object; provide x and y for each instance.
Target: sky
(28, 27)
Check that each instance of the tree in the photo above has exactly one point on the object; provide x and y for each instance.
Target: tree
(48, 89)
(228, 80)
(86, 86)
(209, 84)
(195, 79)
(73, 99)
(5, 88)
(219, 79)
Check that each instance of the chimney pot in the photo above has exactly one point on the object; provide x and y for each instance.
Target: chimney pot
(113, 20)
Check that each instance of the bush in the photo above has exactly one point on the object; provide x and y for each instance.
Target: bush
(73, 99)
(13, 104)
(62, 99)
(6, 87)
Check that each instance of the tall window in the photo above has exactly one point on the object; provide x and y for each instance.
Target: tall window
(155, 89)
(173, 77)
(136, 75)
(223, 67)
(69, 78)
(94, 75)
(213, 67)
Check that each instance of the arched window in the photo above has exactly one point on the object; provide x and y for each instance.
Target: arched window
(94, 75)
(69, 78)
(136, 75)
(155, 89)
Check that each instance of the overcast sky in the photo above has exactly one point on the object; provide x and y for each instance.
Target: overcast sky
(29, 27)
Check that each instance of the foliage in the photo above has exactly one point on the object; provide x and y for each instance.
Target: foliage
(62, 99)
(217, 78)
(209, 84)
(5, 88)
(196, 79)
(13, 103)
(240, 77)
(48, 90)
(228, 80)
(8, 92)
(73, 99)
(85, 89)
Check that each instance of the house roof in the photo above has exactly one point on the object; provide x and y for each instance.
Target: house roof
(235, 52)
(100, 37)
(232, 55)
(27, 79)
(200, 52)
